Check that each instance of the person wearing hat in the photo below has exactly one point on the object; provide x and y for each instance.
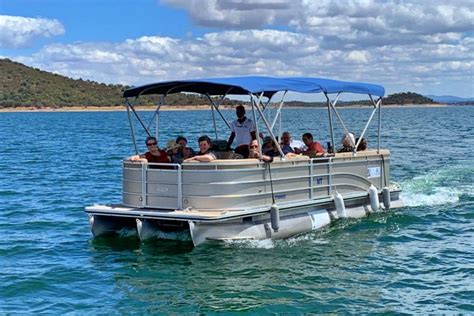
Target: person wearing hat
(243, 131)
(172, 151)
(269, 147)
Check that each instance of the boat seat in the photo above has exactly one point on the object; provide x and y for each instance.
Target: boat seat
(227, 155)
(364, 153)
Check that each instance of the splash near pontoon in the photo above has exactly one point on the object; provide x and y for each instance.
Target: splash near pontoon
(235, 199)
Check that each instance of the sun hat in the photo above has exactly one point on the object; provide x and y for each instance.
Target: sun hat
(171, 144)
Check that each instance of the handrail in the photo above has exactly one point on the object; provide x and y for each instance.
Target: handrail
(310, 175)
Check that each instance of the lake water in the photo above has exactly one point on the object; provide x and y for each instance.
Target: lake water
(417, 259)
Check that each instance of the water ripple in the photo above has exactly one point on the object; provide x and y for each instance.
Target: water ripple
(415, 260)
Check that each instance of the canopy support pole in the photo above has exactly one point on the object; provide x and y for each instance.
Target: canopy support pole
(257, 130)
(264, 107)
(132, 130)
(216, 106)
(376, 107)
(139, 119)
(214, 122)
(331, 128)
(278, 113)
(268, 127)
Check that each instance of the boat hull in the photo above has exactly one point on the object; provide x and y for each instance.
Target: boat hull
(201, 227)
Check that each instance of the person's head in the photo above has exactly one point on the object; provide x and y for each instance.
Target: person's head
(151, 143)
(253, 149)
(286, 138)
(307, 139)
(267, 143)
(204, 143)
(253, 145)
(172, 146)
(181, 141)
(187, 153)
(363, 144)
(348, 140)
(240, 111)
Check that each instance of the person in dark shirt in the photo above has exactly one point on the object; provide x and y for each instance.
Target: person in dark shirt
(205, 154)
(154, 153)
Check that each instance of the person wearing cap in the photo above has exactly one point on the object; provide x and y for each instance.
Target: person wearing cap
(154, 153)
(348, 142)
(242, 131)
(269, 147)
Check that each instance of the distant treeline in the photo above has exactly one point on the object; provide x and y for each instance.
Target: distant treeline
(21, 85)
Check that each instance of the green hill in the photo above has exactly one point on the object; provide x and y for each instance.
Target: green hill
(21, 85)
(26, 86)
(407, 98)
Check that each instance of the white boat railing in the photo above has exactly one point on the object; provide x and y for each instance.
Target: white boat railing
(236, 183)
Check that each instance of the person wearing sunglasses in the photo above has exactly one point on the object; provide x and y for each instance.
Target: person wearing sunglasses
(255, 153)
(154, 153)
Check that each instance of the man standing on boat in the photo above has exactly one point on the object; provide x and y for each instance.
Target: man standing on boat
(243, 131)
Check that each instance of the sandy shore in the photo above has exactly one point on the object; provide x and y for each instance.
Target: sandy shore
(102, 108)
(170, 108)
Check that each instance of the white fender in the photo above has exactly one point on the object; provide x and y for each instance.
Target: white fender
(340, 206)
(386, 198)
(374, 198)
(275, 217)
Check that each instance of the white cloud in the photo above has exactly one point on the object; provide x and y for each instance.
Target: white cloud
(18, 32)
(402, 45)
(241, 14)
(346, 22)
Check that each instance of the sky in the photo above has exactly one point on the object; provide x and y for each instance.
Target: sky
(420, 46)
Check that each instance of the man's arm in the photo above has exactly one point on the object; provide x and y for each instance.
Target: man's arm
(203, 158)
(231, 139)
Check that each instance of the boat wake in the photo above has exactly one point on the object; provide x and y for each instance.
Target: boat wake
(445, 186)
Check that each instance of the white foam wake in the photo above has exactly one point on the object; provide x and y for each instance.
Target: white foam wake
(436, 188)
(440, 196)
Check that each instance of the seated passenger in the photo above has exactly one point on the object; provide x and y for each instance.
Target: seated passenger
(286, 143)
(348, 142)
(172, 150)
(363, 144)
(314, 148)
(205, 154)
(255, 153)
(154, 153)
(183, 151)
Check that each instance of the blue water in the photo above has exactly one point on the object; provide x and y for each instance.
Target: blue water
(418, 259)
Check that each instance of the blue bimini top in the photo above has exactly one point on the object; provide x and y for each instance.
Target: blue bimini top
(255, 85)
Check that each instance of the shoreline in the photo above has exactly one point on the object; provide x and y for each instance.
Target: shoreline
(122, 108)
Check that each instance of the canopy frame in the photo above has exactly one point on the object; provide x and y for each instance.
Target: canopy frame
(225, 85)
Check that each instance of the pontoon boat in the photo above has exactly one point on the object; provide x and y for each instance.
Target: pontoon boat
(235, 199)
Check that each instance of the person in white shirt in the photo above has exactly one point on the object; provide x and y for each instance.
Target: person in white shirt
(243, 131)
